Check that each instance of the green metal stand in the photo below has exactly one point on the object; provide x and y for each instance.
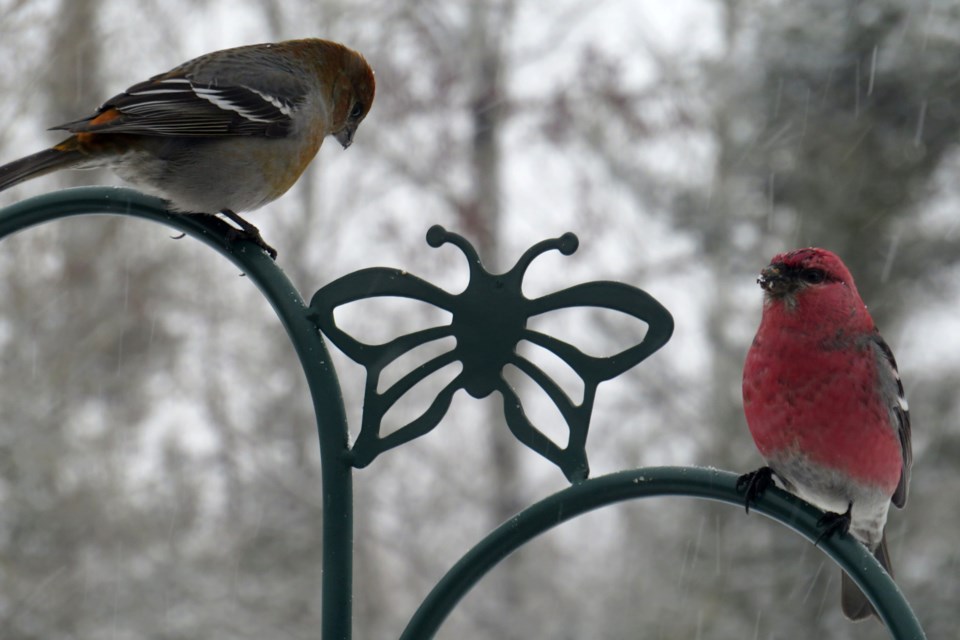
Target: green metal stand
(489, 319)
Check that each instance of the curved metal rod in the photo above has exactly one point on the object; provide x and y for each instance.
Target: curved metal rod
(303, 332)
(696, 482)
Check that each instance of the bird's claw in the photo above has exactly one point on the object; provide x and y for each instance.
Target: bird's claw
(248, 232)
(834, 523)
(754, 484)
(254, 237)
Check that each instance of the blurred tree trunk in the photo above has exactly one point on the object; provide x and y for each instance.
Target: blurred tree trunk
(44, 543)
(487, 32)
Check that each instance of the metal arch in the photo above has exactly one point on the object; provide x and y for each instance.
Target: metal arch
(697, 482)
(336, 472)
(301, 326)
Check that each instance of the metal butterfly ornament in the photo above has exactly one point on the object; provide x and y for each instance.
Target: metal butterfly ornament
(489, 320)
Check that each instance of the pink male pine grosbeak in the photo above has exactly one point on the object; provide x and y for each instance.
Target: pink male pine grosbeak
(226, 132)
(825, 405)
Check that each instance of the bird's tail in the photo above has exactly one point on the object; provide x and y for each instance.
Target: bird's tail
(853, 602)
(63, 156)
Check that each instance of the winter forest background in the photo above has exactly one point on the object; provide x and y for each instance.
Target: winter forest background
(158, 466)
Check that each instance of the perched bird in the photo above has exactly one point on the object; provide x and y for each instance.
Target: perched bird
(825, 405)
(226, 132)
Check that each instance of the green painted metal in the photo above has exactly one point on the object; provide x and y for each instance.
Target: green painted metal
(488, 321)
(711, 484)
(302, 324)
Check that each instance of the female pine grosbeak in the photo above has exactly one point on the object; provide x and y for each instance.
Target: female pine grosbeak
(825, 404)
(226, 132)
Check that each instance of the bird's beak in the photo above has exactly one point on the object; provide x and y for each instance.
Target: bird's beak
(345, 135)
(773, 281)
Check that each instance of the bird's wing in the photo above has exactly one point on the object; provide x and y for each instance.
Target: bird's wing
(889, 377)
(180, 103)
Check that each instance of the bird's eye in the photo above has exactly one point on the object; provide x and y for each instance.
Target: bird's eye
(813, 276)
(356, 111)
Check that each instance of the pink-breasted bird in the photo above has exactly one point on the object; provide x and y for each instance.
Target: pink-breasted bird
(825, 405)
(226, 132)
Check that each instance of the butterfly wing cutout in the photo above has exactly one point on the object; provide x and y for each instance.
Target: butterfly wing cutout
(592, 370)
(384, 282)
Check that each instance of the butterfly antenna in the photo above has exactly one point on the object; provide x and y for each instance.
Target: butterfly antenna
(437, 236)
(565, 244)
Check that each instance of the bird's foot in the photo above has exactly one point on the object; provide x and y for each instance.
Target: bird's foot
(248, 232)
(754, 484)
(834, 523)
